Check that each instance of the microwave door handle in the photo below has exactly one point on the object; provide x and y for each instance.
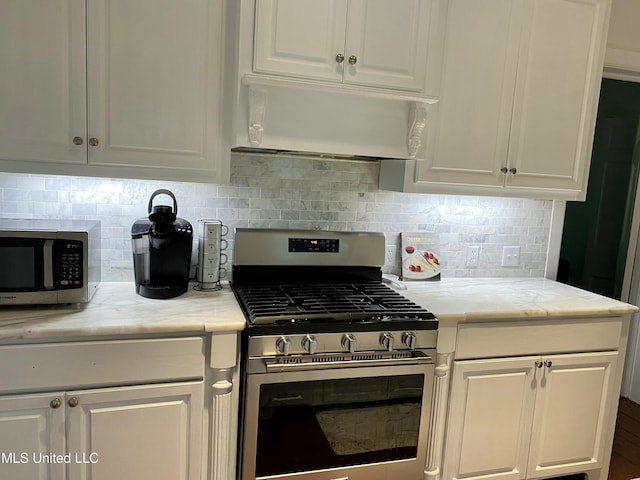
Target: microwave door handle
(48, 264)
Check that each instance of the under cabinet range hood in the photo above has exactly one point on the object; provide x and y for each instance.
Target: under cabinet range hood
(336, 122)
(321, 78)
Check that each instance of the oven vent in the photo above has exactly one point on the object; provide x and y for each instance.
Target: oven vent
(329, 358)
(290, 360)
(357, 357)
(345, 360)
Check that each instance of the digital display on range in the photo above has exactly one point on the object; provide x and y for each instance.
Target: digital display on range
(307, 245)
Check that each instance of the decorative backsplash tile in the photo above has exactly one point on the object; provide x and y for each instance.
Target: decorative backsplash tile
(269, 191)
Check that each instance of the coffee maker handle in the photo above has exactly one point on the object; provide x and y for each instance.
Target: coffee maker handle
(166, 192)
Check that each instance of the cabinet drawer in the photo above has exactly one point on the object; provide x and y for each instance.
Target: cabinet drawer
(505, 339)
(87, 364)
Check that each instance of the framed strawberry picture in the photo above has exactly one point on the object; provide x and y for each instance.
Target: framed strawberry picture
(420, 259)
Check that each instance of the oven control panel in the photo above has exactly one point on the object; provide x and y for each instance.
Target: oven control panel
(320, 343)
(314, 245)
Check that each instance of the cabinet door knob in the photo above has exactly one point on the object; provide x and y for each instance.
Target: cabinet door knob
(93, 142)
(73, 402)
(539, 364)
(55, 403)
(339, 58)
(504, 170)
(353, 60)
(513, 171)
(548, 364)
(78, 141)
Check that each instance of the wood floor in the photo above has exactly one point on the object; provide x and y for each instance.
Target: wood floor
(625, 460)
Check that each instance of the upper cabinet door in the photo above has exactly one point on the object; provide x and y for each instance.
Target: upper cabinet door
(557, 90)
(473, 115)
(154, 82)
(302, 38)
(387, 43)
(42, 84)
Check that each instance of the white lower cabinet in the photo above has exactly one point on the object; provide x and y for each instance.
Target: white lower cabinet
(30, 426)
(530, 416)
(150, 432)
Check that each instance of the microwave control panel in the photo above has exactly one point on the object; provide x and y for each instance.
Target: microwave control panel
(70, 264)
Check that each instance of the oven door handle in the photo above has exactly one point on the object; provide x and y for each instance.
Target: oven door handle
(284, 366)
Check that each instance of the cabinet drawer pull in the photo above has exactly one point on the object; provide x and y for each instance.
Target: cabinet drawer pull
(339, 58)
(73, 402)
(55, 403)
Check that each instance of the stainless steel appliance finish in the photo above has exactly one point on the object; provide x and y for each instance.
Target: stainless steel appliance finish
(45, 261)
(338, 369)
(259, 247)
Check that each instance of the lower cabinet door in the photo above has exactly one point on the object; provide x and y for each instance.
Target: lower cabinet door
(573, 407)
(136, 433)
(491, 410)
(32, 445)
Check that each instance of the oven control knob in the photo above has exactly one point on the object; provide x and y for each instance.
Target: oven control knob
(386, 340)
(310, 343)
(349, 342)
(283, 345)
(409, 340)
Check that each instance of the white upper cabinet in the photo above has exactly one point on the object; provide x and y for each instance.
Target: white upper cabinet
(152, 84)
(519, 95)
(115, 87)
(386, 46)
(286, 44)
(379, 43)
(471, 136)
(557, 89)
(622, 60)
(42, 85)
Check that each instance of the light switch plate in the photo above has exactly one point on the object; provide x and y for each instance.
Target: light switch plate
(510, 256)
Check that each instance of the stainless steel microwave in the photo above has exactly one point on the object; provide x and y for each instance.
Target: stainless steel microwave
(48, 261)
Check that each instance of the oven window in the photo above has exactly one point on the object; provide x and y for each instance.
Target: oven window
(323, 424)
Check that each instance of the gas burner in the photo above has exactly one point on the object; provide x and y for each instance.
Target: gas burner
(286, 304)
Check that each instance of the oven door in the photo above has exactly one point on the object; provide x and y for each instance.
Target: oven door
(364, 423)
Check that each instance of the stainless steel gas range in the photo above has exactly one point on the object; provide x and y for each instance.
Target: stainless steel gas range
(338, 370)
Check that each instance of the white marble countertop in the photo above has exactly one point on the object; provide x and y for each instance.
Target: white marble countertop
(116, 310)
(484, 299)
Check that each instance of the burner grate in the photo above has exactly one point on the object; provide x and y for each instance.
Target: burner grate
(273, 304)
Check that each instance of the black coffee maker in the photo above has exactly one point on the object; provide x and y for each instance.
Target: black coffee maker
(162, 250)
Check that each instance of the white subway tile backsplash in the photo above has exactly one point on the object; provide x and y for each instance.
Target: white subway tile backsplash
(268, 191)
